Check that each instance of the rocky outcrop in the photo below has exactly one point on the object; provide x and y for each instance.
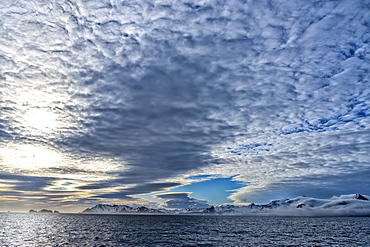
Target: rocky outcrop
(210, 210)
(361, 197)
(47, 211)
(148, 210)
(105, 208)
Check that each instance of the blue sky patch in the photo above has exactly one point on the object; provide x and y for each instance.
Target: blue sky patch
(215, 191)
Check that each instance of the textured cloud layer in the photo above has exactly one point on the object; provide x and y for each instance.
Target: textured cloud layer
(148, 92)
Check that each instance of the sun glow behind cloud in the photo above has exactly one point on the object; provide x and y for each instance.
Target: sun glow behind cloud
(41, 120)
(50, 176)
(38, 159)
(39, 110)
(29, 157)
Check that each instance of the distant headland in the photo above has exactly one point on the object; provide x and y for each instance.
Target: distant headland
(44, 211)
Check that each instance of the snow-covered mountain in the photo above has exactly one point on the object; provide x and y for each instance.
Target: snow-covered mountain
(112, 209)
(345, 205)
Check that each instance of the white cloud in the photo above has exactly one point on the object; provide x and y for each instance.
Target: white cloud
(344, 205)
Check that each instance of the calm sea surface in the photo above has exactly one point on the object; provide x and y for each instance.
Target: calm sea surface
(154, 230)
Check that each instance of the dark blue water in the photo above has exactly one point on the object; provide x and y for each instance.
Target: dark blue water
(153, 230)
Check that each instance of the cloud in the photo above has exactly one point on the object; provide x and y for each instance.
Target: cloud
(25, 183)
(319, 186)
(274, 92)
(319, 165)
(344, 205)
(135, 190)
(181, 201)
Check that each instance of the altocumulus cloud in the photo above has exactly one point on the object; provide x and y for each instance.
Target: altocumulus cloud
(150, 92)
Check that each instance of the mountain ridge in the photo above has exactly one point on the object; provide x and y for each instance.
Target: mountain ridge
(344, 205)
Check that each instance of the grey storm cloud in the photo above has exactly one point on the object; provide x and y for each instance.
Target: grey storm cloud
(271, 91)
(135, 190)
(26, 183)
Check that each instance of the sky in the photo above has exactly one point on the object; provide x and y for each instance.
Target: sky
(182, 104)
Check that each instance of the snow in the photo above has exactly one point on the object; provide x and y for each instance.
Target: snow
(344, 205)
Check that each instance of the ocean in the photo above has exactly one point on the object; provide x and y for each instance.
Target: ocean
(180, 230)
